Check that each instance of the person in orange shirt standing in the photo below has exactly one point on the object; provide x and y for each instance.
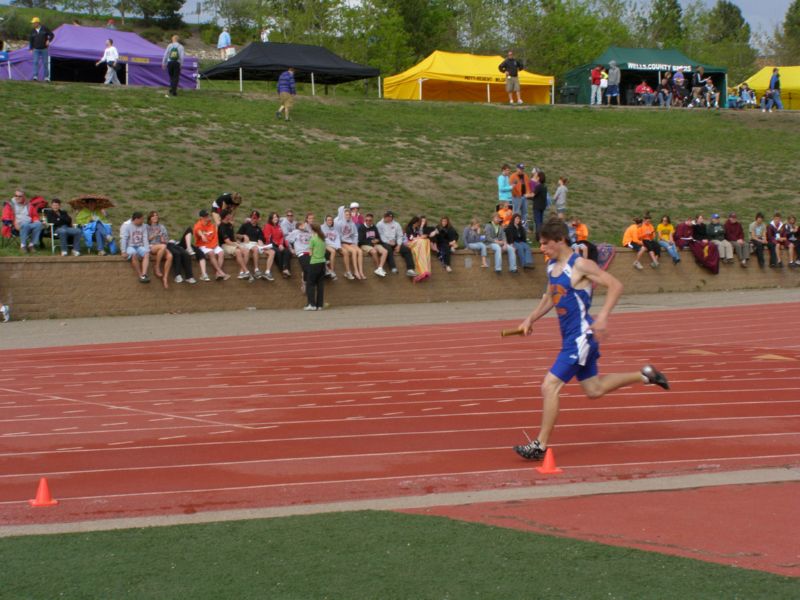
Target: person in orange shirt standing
(521, 192)
(631, 239)
(207, 239)
(647, 233)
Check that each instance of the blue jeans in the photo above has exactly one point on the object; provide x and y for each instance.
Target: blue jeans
(498, 257)
(538, 220)
(524, 253)
(671, 249)
(32, 230)
(665, 100)
(478, 247)
(41, 56)
(519, 204)
(99, 240)
(64, 233)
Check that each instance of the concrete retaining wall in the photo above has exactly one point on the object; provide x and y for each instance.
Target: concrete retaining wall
(42, 287)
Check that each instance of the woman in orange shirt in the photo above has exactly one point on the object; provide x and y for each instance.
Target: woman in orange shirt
(631, 239)
(647, 233)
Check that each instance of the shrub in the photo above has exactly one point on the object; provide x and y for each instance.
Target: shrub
(209, 33)
(153, 34)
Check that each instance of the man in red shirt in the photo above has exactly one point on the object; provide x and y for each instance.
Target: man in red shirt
(645, 93)
(735, 235)
(597, 92)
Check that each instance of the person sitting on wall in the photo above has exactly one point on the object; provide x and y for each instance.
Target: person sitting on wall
(63, 229)
(207, 240)
(391, 233)
(683, 233)
(158, 239)
(369, 240)
(716, 235)
(517, 236)
(95, 230)
(446, 241)
(734, 233)
(135, 245)
(776, 241)
(231, 249)
(273, 234)
(252, 241)
(631, 239)
(497, 242)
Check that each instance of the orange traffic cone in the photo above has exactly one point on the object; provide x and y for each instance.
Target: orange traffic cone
(549, 466)
(43, 495)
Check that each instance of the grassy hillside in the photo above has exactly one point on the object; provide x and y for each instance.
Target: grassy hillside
(147, 151)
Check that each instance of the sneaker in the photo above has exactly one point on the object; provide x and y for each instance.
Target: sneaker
(519, 101)
(101, 253)
(655, 376)
(654, 264)
(144, 279)
(380, 272)
(637, 265)
(349, 275)
(532, 451)
(286, 273)
(191, 280)
(205, 277)
(251, 279)
(448, 268)
(257, 274)
(411, 273)
(6, 312)
(242, 275)
(395, 271)
(310, 307)
(109, 238)
(63, 253)
(75, 253)
(268, 276)
(178, 279)
(278, 114)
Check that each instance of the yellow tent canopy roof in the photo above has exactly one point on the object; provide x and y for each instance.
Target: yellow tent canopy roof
(790, 84)
(457, 76)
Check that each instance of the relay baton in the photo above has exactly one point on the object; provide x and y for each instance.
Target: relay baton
(508, 332)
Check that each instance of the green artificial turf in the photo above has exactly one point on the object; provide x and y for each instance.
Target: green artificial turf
(177, 154)
(357, 555)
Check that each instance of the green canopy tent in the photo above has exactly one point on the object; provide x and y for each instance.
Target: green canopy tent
(636, 64)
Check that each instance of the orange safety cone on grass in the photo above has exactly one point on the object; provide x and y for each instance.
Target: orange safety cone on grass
(43, 495)
(549, 466)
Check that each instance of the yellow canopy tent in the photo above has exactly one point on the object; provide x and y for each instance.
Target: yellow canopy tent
(464, 77)
(790, 84)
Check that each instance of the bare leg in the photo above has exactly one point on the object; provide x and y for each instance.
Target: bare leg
(332, 260)
(203, 267)
(270, 259)
(167, 266)
(346, 255)
(135, 265)
(551, 388)
(241, 259)
(599, 386)
(145, 263)
(358, 256)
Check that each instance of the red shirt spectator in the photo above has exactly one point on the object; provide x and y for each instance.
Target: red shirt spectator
(643, 88)
(596, 76)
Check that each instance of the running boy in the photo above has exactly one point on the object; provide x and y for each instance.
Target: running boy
(569, 290)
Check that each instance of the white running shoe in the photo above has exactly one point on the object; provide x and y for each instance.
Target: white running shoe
(348, 275)
(411, 273)
(191, 280)
(244, 274)
(380, 272)
(178, 279)
(310, 307)
(6, 312)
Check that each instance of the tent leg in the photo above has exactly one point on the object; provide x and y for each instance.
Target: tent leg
(241, 81)
(552, 92)
(313, 87)
(488, 95)
(420, 87)
(380, 91)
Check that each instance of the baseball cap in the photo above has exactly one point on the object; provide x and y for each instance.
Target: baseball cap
(35, 20)
(354, 205)
(715, 216)
(388, 213)
(520, 166)
(203, 213)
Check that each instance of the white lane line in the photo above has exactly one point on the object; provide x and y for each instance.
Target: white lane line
(74, 412)
(65, 429)
(68, 449)
(469, 404)
(220, 432)
(161, 419)
(344, 401)
(703, 460)
(172, 437)
(113, 424)
(309, 405)
(416, 394)
(27, 416)
(333, 387)
(391, 414)
(163, 403)
(381, 397)
(15, 433)
(206, 415)
(432, 408)
(95, 395)
(120, 443)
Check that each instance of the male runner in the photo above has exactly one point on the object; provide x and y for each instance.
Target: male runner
(569, 290)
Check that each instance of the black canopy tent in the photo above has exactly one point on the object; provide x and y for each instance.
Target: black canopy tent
(266, 61)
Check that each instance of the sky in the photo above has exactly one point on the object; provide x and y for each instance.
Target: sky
(763, 15)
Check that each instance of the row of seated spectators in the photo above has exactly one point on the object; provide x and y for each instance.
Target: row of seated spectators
(780, 238)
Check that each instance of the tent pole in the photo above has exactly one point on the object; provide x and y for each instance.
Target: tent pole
(488, 95)
(313, 87)
(552, 91)
(380, 91)
(420, 87)
(127, 74)
(241, 81)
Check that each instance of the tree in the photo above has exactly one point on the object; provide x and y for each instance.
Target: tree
(91, 7)
(664, 23)
(165, 12)
(481, 25)
(727, 24)
(785, 42)
(429, 24)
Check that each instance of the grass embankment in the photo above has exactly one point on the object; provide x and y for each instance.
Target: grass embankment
(358, 555)
(176, 155)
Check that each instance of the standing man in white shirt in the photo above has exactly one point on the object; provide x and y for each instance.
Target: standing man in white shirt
(111, 58)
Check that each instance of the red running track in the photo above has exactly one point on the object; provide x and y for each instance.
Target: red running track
(182, 426)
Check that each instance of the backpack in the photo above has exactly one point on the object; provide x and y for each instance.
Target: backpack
(174, 54)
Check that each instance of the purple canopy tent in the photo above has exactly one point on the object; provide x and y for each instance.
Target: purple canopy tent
(75, 49)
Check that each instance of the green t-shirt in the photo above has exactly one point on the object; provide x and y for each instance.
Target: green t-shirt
(317, 250)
